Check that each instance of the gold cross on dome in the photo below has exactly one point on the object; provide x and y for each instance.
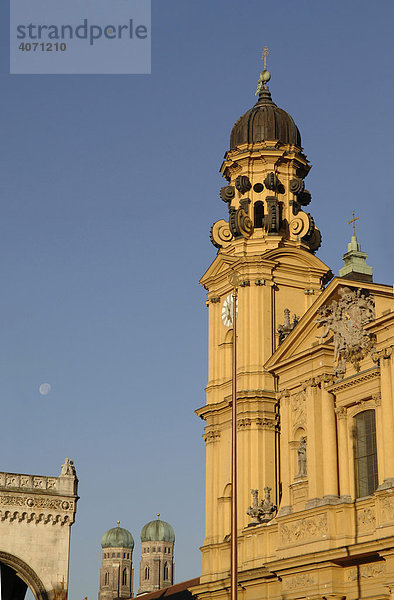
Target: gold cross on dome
(353, 220)
(264, 56)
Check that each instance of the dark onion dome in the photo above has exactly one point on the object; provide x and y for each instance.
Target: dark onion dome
(157, 531)
(117, 537)
(265, 121)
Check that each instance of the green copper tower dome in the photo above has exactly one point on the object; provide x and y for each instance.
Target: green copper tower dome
(117, 537)
(157, 531)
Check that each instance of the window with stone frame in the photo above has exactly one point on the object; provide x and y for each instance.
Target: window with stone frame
(146, 574)
(366, 464)
(165, 571)
(124, 576)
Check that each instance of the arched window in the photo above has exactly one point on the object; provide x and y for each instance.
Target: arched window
(106, 578)
(146, 573)
(165, 571)
(366, 464)
(124, 577)
(258, 214)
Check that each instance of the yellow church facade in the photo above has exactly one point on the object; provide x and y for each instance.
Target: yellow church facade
(315, 375)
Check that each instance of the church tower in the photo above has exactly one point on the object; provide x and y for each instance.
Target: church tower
(116, 572)
(269, 241)
(157, 556)
(314, 389)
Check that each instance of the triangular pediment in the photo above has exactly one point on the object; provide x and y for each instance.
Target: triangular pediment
(221, 264)
(307, 333)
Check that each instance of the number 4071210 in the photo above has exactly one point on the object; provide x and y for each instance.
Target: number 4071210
(42, 47)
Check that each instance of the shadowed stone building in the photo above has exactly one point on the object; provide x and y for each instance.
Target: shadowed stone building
(36, 513)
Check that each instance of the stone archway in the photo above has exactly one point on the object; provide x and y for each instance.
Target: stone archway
(36, 513)
(24, 573)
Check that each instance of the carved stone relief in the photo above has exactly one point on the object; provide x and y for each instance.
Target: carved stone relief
(298, 408)
(299, 581)
(387, 506)
(366, 520)
(305, 529)
(345, 320)
(366, 571)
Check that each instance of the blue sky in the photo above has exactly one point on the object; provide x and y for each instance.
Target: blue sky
(108, 188)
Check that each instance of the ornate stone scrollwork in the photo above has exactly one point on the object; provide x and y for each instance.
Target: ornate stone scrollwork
(345, 320)
(240, 224)
(304, 198)
(296, 185)
(366, 519)
(298, 408)
(366, 571)
(244, 203)
(227, 193)
(271, 182)
(220, 234)
(309, 528)
(263, 511)
(314, 242)
(242, 183)
(385, 354)
(272, 220)
(211, 436)
(302, 226)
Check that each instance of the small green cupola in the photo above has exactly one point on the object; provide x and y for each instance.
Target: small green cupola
(355, 267)
(157, 531)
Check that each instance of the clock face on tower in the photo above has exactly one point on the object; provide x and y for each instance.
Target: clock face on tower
(227, 310)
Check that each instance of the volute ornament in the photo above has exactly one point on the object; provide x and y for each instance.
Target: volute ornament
(296, 185)
(227, 193)
(220, 234)
(304, 198)
(240, 224)
(242, 183)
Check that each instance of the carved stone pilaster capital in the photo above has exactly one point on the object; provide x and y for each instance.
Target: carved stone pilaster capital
(243, 423)
(211, 436)
(385, 353)
(341, 412)
(284, 394)
(377, 398)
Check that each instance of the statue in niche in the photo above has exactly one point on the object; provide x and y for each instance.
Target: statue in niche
(301, 452)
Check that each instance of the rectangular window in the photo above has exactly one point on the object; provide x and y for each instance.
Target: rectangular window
(366, 464)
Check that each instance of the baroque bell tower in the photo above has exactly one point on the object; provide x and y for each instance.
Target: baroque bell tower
(269, 240)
